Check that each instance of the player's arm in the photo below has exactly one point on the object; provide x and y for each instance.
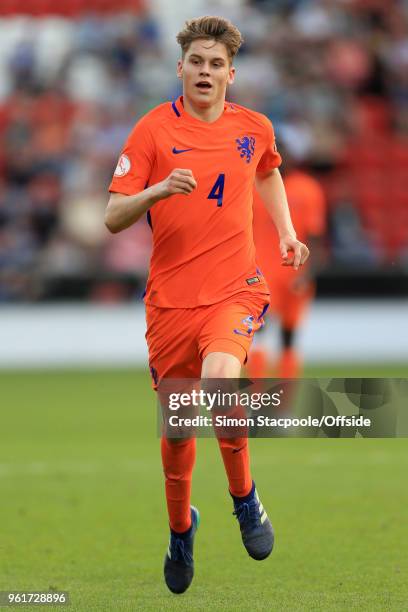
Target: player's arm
(124, 210)
(272, 191)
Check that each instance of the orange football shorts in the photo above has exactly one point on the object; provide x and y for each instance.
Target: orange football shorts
(179, 339)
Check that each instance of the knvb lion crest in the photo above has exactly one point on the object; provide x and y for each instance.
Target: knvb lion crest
(246, 147)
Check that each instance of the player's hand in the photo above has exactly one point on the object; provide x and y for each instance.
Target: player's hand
(294, 253)
(180, 180)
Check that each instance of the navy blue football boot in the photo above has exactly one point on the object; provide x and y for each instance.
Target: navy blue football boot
(256, 528)
(179, 562)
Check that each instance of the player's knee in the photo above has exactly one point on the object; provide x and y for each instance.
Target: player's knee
(219, 370)
(171, 474)
(221, 365)
(181, 442)
(233, 444)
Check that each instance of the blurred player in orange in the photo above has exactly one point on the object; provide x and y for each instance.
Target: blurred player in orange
(291, 294)
(191, 165)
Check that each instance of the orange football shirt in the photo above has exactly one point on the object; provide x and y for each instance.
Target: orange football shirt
(307, 205)
(203, 249)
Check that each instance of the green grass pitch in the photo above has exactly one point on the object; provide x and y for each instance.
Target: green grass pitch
(82, 506)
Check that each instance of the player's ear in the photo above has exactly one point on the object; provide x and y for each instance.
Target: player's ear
(180, 69)
(231, 75)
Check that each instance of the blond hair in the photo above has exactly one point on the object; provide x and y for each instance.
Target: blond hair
(211, 28)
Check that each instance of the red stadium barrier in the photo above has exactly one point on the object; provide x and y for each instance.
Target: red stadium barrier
(68, 8)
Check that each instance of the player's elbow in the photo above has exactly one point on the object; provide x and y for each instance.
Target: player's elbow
(111, 222)
(112, 228)
(263, 176)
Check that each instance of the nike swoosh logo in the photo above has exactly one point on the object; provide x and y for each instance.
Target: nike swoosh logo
(176, 151)
(236, 450)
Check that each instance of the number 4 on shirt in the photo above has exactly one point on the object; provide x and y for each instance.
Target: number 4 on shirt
(217, 190)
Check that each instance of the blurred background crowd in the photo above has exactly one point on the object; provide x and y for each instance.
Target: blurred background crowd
(331, 75)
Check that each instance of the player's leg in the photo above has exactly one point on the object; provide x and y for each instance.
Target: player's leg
(298, 300)
(178, 459)
(289, 365)
(234, 450)
(172, 354)
(226, 339)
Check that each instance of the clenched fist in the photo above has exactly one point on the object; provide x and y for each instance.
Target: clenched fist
(180, 180)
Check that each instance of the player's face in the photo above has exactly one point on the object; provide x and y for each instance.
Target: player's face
(206, 71)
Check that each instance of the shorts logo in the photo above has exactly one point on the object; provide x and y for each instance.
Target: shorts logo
(246, 147)
(252, 325)
(248, 322)
(123, 166)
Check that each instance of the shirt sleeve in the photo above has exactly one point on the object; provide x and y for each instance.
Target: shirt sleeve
(270, 158)
(136, 161)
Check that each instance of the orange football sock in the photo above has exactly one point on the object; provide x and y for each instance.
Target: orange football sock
(257, 366)
(289, 364)
(178, 462)
(235, 454)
